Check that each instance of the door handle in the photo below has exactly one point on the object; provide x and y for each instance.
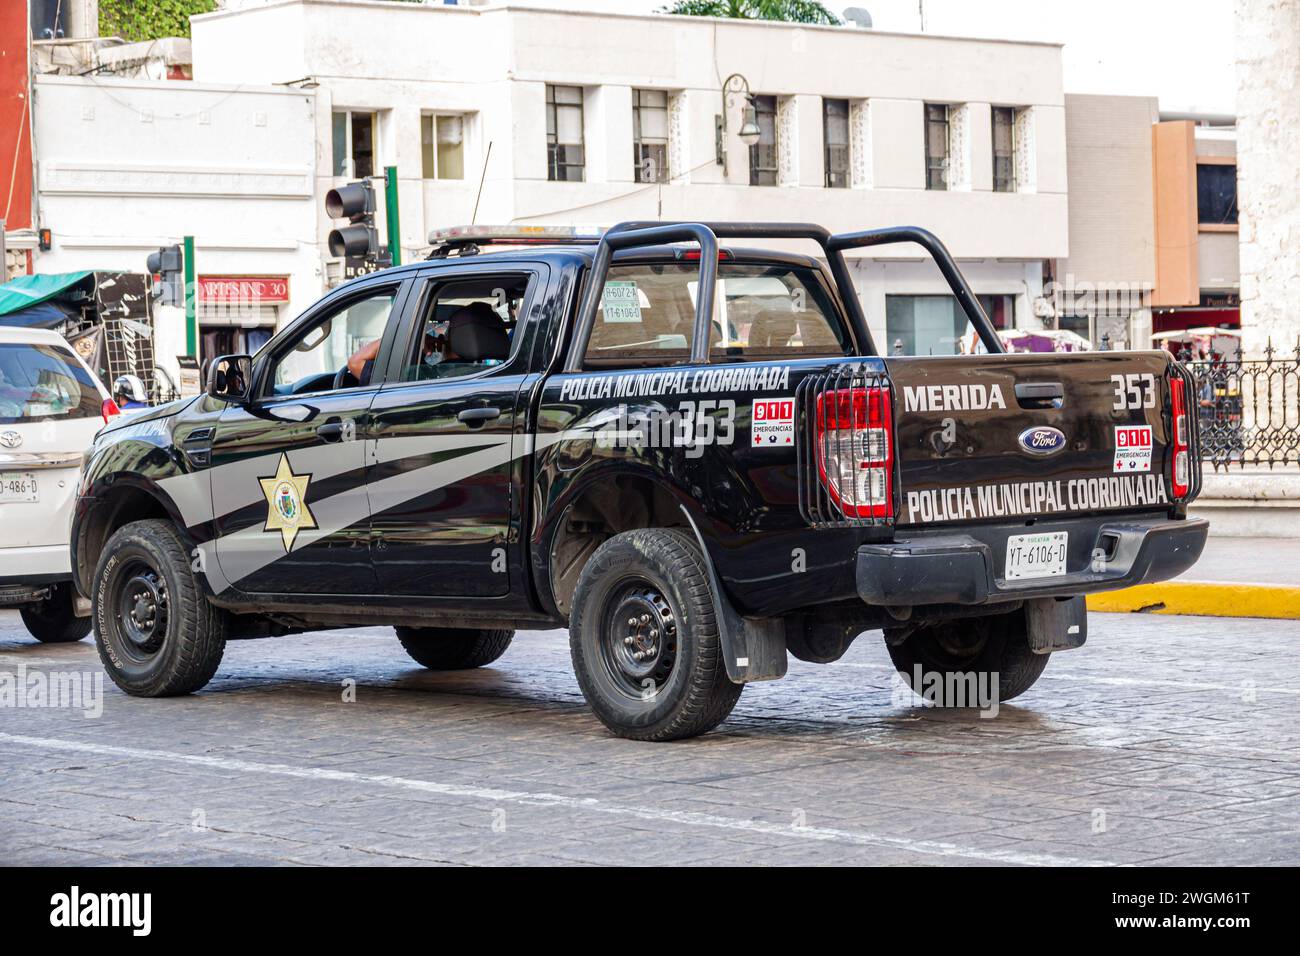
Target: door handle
(1040, 394)
(334, 430)
(475, 417)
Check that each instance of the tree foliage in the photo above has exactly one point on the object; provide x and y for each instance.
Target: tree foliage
(790, 11)
(135, 20)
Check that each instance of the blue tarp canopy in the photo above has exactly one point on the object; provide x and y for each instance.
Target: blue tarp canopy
(44, 315)
(24, 292)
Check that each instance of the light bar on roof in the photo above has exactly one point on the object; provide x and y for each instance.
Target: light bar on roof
(514, 234)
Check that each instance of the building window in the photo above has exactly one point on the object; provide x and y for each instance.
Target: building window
(565, 156)
(650, 135)
(354, 143)
(936, 146)
(937, 325)
(835, 137)
(442, 146)
(763, 160)
(1004, 149)
(1216, 194)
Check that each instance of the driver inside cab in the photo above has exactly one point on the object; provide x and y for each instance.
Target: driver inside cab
(475, 338)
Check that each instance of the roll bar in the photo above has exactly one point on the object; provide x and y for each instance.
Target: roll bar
(939, 253)
(631, 234)
(794, 230)
(655, 235)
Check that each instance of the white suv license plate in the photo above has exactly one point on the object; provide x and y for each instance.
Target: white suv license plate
(1036, 555)
(18, 486)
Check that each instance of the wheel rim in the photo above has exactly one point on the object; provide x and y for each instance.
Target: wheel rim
(950, 648)
(142, 610)
(639, 637)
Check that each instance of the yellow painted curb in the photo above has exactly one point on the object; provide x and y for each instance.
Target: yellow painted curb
(1210, 598)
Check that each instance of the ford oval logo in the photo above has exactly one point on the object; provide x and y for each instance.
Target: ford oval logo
(1042, 440)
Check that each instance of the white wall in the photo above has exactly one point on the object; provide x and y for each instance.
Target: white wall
(126, 166)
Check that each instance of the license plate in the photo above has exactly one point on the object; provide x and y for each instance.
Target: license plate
(18, 486)
(1036, 555)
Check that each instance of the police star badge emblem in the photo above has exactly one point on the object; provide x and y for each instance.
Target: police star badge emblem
(286, 504)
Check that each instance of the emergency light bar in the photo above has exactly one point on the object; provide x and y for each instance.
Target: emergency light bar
(465, 240)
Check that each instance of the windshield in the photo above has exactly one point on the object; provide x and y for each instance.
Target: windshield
(40, 383)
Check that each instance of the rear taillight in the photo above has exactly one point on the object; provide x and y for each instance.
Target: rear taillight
(1181, 440)
(855, 450)
(109, 409)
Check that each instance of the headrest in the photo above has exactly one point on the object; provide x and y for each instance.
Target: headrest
(476, 333)
(771, 329)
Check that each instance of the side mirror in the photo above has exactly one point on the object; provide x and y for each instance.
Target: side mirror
(231, 378)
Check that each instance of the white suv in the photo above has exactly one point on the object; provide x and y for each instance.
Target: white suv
(51, 406)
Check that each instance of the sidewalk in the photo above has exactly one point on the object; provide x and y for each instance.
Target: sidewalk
(1235, 577)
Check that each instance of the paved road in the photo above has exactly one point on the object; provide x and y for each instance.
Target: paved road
(1274, 561)
(1165, 740)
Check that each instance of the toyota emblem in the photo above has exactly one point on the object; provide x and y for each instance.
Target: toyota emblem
(11, 439)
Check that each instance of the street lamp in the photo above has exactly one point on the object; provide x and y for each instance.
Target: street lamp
(749, 131)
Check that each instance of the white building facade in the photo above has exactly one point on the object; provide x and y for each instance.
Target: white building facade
(505, 115)
(126, 166)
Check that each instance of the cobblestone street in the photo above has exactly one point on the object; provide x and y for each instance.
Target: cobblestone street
(1166, 740)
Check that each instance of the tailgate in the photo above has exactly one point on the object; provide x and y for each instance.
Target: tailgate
(987, 437)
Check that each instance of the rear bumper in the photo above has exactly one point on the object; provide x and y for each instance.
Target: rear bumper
(39, 564)
(966, 568)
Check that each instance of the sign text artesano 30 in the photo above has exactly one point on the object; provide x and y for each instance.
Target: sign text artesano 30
(233, 289)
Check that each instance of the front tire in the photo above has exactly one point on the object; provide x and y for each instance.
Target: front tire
(453, 648)
(156, 632)
(991, 647)
(54, 621)
(644, 639)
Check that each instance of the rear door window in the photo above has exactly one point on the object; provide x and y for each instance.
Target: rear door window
(646, 315)
(41, 383)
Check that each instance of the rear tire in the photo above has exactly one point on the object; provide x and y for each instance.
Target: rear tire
(453, 648)
(647, 593)
(53, 621)
(156, 632)
(997, 644)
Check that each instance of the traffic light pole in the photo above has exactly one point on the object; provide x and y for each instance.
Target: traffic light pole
(191, 305)
(390, 208)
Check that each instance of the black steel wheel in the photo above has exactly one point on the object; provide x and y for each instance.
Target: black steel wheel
(644, 639)
(156, 632)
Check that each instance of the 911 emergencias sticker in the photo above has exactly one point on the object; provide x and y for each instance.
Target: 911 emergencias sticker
(772, 423)
(1132, 448)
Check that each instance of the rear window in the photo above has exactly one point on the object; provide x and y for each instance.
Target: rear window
(646, 315)
(40, 383)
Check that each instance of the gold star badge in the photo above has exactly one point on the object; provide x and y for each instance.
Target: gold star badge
(286, 504)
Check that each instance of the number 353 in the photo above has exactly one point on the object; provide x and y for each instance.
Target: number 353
(1135, 390)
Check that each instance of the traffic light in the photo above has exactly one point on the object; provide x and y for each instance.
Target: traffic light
(167, 266)
(360, 238)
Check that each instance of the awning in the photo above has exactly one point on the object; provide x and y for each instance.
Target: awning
(27, 291)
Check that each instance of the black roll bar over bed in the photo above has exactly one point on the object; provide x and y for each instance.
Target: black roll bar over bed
(627, 235)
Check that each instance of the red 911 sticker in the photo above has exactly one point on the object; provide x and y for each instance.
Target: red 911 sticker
(1132, 448)
(772, 423)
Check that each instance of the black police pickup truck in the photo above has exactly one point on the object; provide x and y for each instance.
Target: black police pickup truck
(692, 455)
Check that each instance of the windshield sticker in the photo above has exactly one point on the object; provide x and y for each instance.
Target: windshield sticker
(1034, 497)
(1132, 448)
(621, 302)
(772, 423)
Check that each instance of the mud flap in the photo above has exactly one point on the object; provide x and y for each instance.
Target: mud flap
(1056, 625)
(754, 648)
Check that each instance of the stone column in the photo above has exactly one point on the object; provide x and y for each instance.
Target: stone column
(1268, 144)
